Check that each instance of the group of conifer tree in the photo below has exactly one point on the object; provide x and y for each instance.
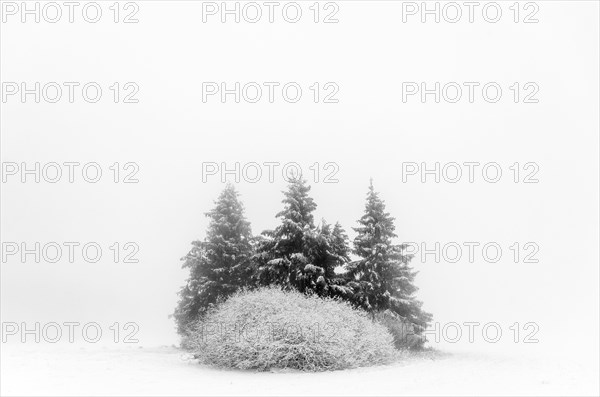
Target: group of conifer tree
(300, 255)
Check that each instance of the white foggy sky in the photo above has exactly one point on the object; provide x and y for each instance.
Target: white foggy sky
(368, 134)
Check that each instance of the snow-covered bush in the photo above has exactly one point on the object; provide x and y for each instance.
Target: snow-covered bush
(270, 328)
(403, 332)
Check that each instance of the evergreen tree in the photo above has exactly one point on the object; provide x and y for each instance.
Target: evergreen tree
(219, 265)
(335, 255)
(280, 259)
(298, 255)
(382, 278)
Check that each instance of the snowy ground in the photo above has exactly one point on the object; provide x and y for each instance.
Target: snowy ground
(72, 370)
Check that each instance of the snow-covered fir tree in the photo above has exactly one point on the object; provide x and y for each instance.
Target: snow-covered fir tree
(382, 278)
(335, 255)
(219, 264)
(297, 254)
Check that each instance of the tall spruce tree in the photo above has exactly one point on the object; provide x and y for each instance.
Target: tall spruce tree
(382, 278)
(219, 265)
(297, 254)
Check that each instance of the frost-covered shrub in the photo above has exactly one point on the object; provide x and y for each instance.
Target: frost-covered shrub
(403, 332)
(270, 328)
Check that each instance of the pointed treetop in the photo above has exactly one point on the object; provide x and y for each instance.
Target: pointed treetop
(227, 218)
(376, 225)
(298, 206)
